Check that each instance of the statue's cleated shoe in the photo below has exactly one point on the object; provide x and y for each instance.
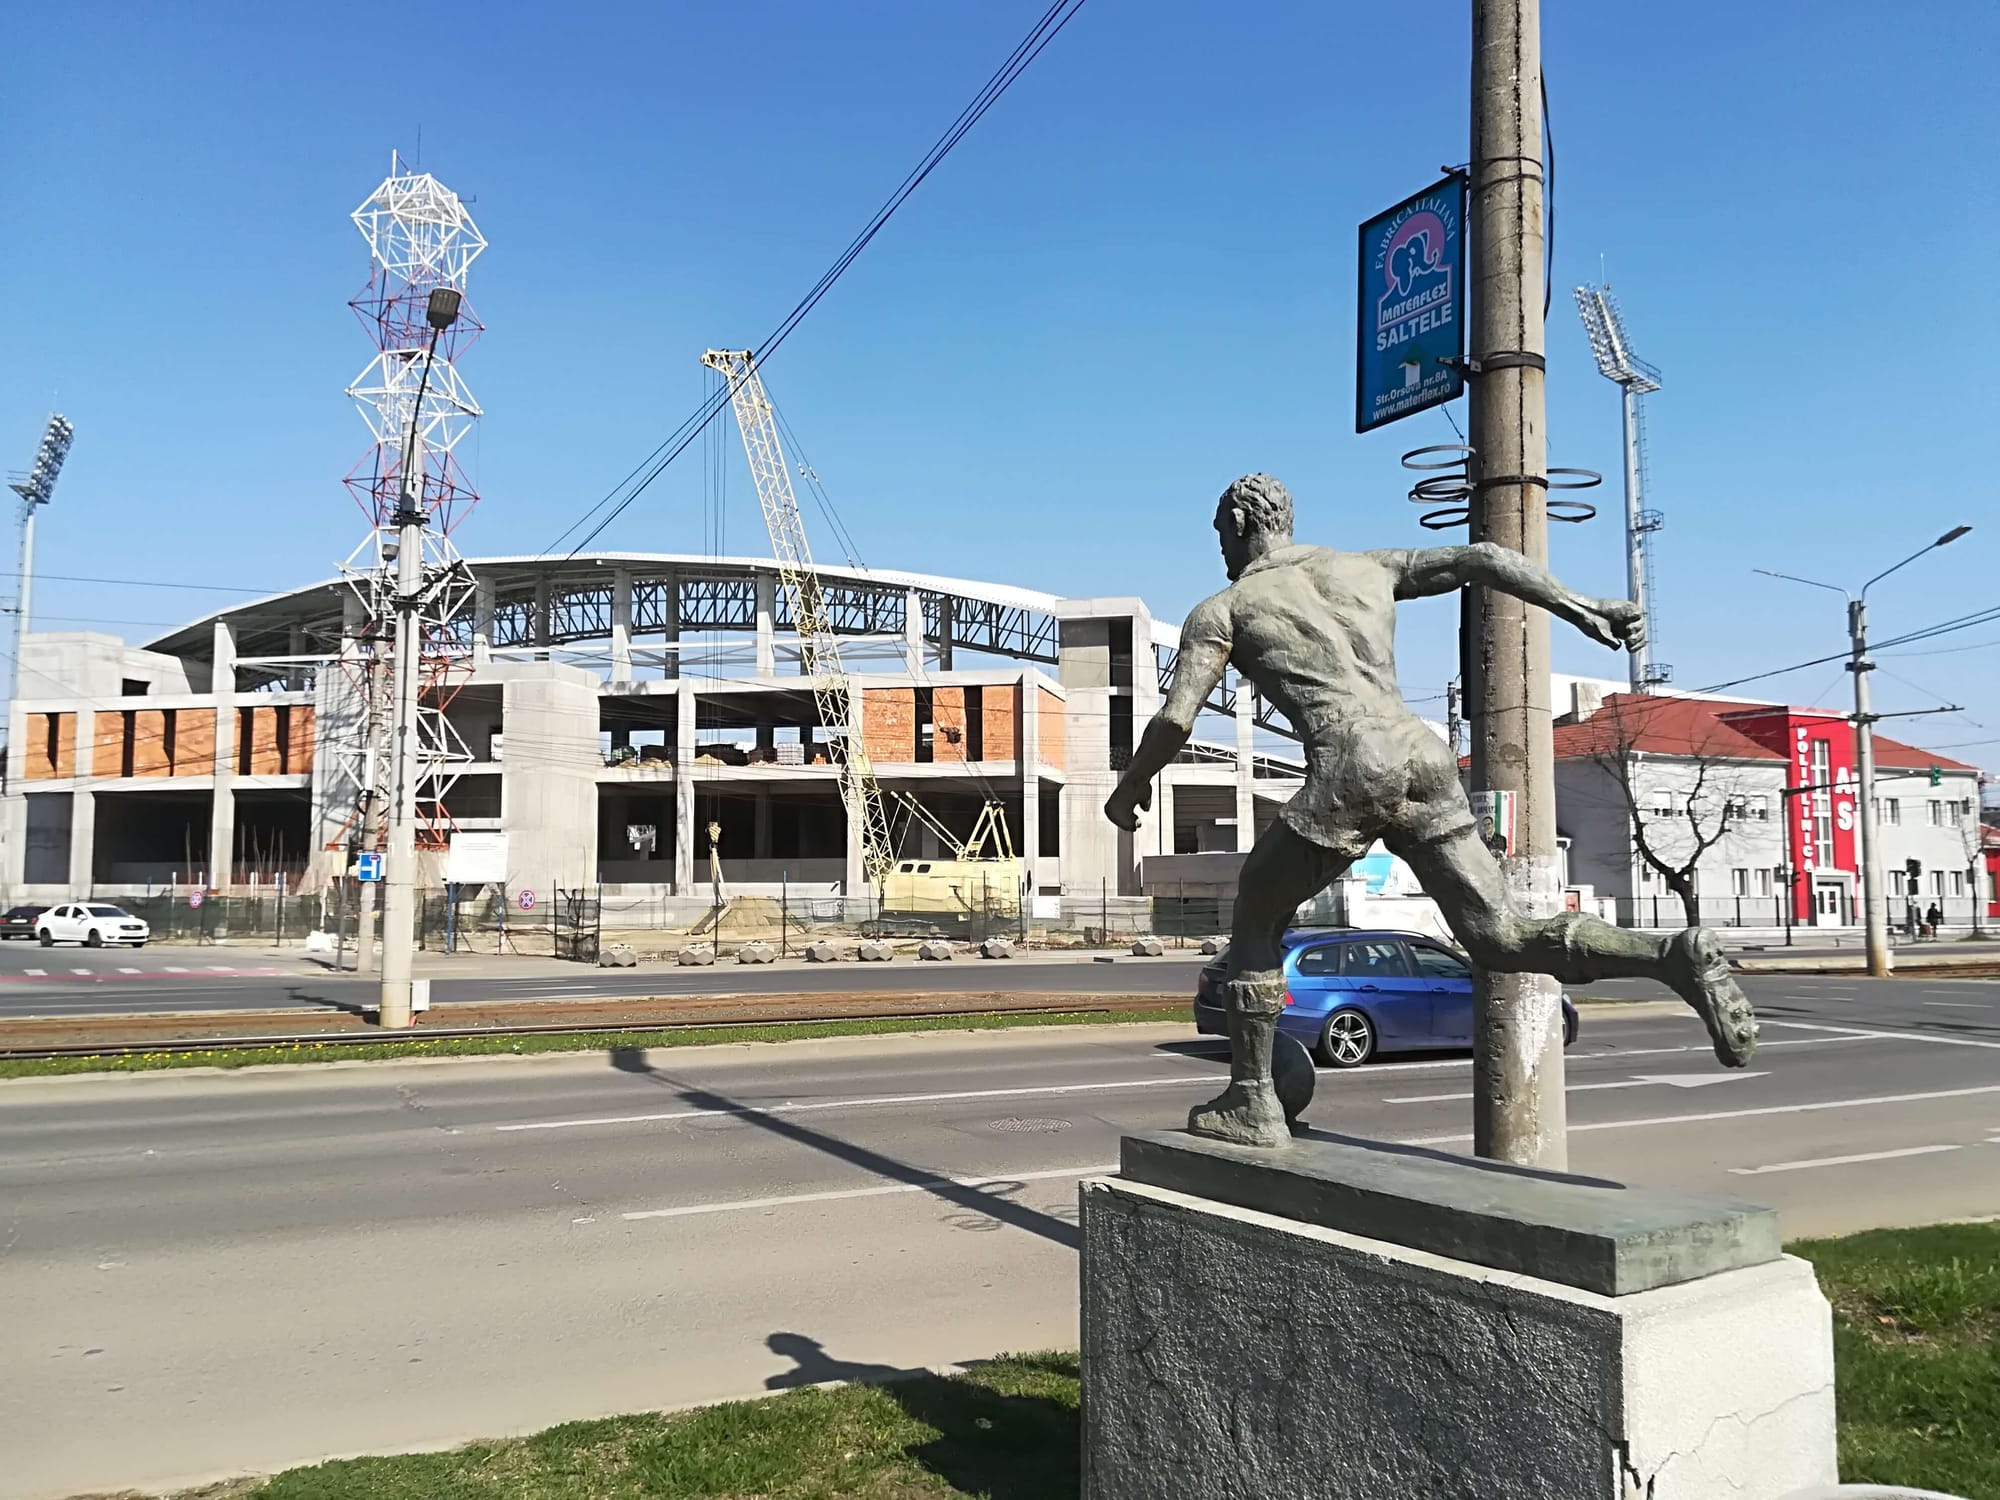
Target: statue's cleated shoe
(1699, 974)
(1244, 1114)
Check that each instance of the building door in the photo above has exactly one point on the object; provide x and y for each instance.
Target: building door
(1827, 904)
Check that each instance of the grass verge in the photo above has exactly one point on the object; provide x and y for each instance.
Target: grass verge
(1916, 1343)
(581, 1041)
(1916, 1336)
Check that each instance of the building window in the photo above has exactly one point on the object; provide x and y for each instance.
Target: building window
(1763, 882)
(1937, 813)
(1739, 882)
(1888, 810)
(1663, 806)
(1937, 884)
(1958, 882)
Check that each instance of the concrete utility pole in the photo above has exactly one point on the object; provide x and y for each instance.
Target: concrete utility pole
(399, 863)
(1874, 889)
(1518, 1106)
(1874, 902)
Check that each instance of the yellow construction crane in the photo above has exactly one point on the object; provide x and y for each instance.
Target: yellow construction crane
(832, 695)
(948, 886)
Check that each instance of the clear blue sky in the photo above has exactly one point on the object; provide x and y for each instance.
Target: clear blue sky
(1131, 283)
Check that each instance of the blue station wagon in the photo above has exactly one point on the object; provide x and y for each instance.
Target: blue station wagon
(1350, 996)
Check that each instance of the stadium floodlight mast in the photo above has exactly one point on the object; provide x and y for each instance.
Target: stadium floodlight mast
(1874, 891)
(35, 488)
(399, 863)
(1635, 380)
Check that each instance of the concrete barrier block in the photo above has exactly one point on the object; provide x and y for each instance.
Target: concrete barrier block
(1148, 947)
(874, 952)
(617, 956)
(1214, 946)
(695, 955)
(822, 952)
(996, 948)
(934, 951)
(756, 953)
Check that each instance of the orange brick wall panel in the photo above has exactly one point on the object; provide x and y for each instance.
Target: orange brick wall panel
(194, 742)
(149, 743)
(107, 743)
(46, 757)
(299, 749)
(263, 741)
(889, 724)
(1051, 733)
(948, 714)
(1000, 723)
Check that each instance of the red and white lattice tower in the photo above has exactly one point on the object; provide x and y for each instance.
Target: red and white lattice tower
(420, 237)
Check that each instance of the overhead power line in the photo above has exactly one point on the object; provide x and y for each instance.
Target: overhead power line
(614, 504)
(1928, 632)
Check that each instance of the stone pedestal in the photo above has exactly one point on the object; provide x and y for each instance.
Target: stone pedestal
(1349, 1319)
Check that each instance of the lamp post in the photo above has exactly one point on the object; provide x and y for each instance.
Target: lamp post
(1874, 908)
(400, 856)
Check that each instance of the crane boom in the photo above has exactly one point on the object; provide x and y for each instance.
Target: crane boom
(832, 696)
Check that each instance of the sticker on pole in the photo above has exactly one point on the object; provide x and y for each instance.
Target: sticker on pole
(1493, 813)
(1409, 344)
(195, 898)
(526, 900)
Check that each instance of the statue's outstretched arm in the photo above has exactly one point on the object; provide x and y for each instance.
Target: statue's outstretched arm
(1426, 571)
(1198, 670)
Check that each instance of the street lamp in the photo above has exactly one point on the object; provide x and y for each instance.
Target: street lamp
(399, 867)
(1874, 904)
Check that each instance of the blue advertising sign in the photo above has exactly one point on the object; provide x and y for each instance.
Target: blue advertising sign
(367, 867)
(1410, 333)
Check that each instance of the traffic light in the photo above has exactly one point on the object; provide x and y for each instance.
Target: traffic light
(1937, 776)
(1914, 870)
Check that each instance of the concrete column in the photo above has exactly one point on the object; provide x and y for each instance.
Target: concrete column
(913, 633)
(542, 616)
(1246, 784)
(83, 804)
(1029, 717)
(767, 631)
(295, 674)
(760, 843)
(684, 743)
(670, 627)
(14, 805)
(222, 813)
(945, 633)
(483, 594)
(1162, 841)
(621, 625)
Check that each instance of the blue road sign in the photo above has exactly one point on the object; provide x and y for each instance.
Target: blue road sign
(1410, 328)
(368, 866)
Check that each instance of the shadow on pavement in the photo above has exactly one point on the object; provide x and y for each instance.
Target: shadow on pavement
(1002, 1444)
(988, 1199)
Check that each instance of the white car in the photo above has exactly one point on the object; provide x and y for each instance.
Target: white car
(92, 925)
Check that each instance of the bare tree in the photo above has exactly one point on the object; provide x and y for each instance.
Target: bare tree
(1673, 827)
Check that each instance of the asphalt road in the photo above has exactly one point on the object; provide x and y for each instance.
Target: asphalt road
(208, 1273)
(71, 982)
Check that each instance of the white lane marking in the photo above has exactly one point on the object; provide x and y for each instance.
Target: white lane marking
(1672, 1080)
(929, 1184)
(1959, 1004)
(1837, 1161)
(83, 971)
(751, 1110)
(171, 969)
(38, 973)
(220, 969)
(130, 971)
(1735, 1114)
(1893, 1036)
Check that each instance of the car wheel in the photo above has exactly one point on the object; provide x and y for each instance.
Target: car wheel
(45, 938)
(94, 939)
(1348, 1039)
(140, 944)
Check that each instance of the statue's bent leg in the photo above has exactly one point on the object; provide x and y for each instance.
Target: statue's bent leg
(1463, 878)
(1282, 871)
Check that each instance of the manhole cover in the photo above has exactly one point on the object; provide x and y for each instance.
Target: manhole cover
(1017, 1124)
